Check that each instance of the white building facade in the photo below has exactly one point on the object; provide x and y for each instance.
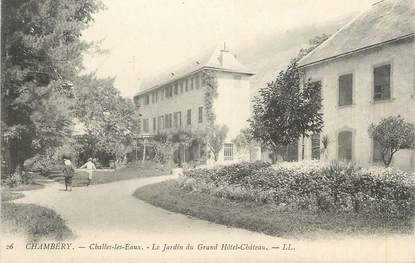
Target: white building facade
(367, 73)
(176, 101)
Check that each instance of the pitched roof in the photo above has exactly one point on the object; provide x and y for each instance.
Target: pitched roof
(210, 59)
(385, 21)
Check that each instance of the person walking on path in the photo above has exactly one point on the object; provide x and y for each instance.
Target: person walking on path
(68, 172)
(90, 167)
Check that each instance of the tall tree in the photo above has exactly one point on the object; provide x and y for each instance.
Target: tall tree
(285, 110)
(110, 121)
(41, 56)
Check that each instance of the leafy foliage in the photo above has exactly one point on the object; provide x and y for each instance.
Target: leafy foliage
(392, 133)
(311, 186)
(41, 56)
(283, 111)
(110, 122)
(209, 79)
(215, 137)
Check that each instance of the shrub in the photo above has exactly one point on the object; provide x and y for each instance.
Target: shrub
(310, 185)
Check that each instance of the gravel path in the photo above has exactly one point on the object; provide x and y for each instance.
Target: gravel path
(109, 214)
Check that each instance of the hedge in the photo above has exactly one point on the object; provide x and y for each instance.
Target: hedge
(311, 185)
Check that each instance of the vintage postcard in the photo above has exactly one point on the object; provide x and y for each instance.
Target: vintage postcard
(207, 131)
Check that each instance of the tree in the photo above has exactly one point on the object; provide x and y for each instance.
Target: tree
(285, 110)
(41, 56)
(392, 133)
(215, 137)
(110, 121)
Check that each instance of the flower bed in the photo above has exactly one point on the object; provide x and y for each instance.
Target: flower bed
(311, 186)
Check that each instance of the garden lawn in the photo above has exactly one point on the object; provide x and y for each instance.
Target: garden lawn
(266, 218)
(132, 171)
(36, 222)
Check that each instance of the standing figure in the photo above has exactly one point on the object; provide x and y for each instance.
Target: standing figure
(90, 167)
(68, 172)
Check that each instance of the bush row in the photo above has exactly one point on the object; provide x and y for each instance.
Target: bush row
(311, 185)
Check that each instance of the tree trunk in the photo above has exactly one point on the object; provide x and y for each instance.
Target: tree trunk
(302, 148)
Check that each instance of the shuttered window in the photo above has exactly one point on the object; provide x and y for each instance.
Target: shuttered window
(200, 114)
(346, 89)
(228, 151)
(345, 146)
(315, 146)
(189, 117)
(381, 80)
(177, 122)
(145, 125)
(198, 81)
(176, 88)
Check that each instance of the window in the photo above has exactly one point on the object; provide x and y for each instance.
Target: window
(186, 87)
(137, 101)
(147, 99)
(176, 88)
(162, 93)
(154, 125)
(168, 121)
(237, 81)
(154, 99)
(200, 114)
(181, 86)
(161, 122)
(346, 89)
(156, 96)
(381, 80)
(315, 146)
(228, 151)
(169, 91)
(190, 83)
(345, 146)
(189, 117)
(177, 119)
(377, 152)
(197, 81)
(145, 125)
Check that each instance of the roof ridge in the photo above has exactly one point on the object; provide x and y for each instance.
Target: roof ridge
(381, 23)
(325, 43)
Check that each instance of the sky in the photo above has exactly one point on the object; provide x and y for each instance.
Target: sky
(142, 37)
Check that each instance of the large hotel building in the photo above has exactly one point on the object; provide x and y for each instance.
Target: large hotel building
(175, 100)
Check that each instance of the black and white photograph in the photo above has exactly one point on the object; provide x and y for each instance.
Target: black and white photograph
(207, 131)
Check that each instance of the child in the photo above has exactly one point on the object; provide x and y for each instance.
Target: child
(68, 172)
(90, 166)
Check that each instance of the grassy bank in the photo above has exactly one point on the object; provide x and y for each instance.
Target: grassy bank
(266, 218)
(36, 222)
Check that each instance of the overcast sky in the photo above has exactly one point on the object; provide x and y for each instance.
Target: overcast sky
(145, 36)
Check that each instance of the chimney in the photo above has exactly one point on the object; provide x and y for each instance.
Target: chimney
(224, 54)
